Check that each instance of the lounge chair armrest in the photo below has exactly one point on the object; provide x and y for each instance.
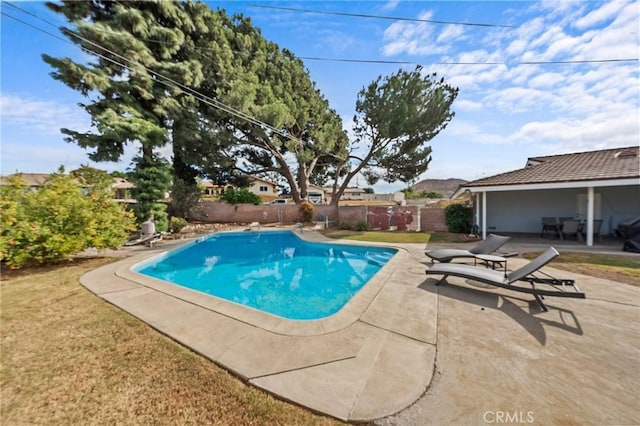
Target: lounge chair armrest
(508, 254)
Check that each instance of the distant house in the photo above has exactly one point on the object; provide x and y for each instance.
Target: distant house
(353, 194)
(31, 180)
(122, 190)
(34, 181)
(316, 194)
(591, 185)
(211, 190)
(265, 189)
(349, 194)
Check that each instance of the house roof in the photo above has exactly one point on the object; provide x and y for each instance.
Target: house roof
(122, 183)
(347, 190)
(263, 180)
(607, 164)
(29, 179)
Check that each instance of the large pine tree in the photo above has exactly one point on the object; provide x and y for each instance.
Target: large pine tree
(134, 47)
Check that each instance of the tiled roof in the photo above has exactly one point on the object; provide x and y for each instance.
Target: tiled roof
(29, 179)
(122, 183)
(618, 163)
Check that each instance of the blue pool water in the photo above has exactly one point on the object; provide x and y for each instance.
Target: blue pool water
(273, 271)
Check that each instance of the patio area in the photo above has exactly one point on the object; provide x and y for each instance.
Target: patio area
(415, 353)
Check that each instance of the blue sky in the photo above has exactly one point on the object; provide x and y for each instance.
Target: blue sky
(506, 111)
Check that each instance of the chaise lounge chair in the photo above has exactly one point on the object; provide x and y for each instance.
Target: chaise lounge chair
(148, 240)
(490, 245)
(559, 287)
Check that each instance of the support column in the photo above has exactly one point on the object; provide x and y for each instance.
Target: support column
(476, 220)
(590, 213)
(484, 215)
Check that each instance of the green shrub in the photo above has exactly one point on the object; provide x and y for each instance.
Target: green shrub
(60, 219)
(306, 211)
(177, 224)
(458, 218)
(343, 224)
(431, 194)
(240, 196)
(410, 193)
(362, 226)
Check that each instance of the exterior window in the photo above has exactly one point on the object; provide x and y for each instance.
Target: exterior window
(264, 189)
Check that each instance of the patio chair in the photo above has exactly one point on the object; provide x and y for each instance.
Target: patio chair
(597, 225)
(570, 228)
(490, 245)
(550, 224)
(148, 240)
(511, 280)
(563, 219)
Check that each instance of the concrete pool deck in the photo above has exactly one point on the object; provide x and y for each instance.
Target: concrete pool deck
(473, 350)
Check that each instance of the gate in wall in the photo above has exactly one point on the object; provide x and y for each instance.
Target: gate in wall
(388, 218)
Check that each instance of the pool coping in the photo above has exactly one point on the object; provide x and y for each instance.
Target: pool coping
(346, 316)
(346, 367)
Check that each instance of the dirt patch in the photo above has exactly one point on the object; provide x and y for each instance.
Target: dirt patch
(599, 271)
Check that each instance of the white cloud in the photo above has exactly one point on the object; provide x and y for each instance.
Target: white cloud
(607, 11)
(467, 105)
(516, 47)
(420, 38)
(336, 41)
(18, 156)
(390, 5)
(36, 115)
(570, 135)
(546, 80)
(450, 33)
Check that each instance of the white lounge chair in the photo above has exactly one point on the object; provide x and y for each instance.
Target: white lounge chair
(511, 280)
(148, 240)
(488, 246)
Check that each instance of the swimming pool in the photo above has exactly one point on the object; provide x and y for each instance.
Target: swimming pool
(272, 271)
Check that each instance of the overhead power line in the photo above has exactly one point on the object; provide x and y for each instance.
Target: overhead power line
(390, 18)
(376, 61)
(368, 61)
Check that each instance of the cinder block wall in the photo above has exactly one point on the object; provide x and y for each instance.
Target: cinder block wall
(265, 213)
(431, 219)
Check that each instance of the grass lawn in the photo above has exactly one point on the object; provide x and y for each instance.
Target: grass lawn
(622, 269)
(396, 237)
(68, 357)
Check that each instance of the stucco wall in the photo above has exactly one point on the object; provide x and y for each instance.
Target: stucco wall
(522, 211)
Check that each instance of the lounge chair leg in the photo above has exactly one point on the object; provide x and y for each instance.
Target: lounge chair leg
(442, 280)
(541, 303)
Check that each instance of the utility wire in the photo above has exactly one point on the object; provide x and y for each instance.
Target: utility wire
(376, 61)
(366, 61)
(240, 114)
(391, 18)
(184, 88)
